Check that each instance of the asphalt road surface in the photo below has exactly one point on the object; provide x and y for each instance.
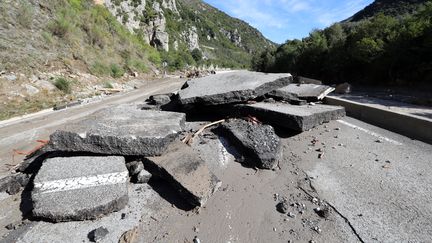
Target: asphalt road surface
(377, 183)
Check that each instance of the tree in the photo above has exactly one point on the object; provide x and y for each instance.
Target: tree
(197, 54)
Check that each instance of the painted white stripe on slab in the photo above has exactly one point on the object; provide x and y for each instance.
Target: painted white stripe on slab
(82, 182)
(370, 133)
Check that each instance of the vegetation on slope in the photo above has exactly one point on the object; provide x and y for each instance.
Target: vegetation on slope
(216, 47)
(382, 49)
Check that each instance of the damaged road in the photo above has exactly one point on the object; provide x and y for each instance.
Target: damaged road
(260, 176)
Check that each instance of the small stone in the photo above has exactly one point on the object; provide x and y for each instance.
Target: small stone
(322, 212)
(123, 216)
(317, 229)
(282, 207)
(337, 129)
(274, 229)
(196, 229)
(291, 215)
(98, 234)
(135, 167)
(143, 177)
(315, 200)
(378, 141)
(196, 240)
(11, 226)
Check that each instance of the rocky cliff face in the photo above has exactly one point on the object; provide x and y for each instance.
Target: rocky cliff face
(172, 25)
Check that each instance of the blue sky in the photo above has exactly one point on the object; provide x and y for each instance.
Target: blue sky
(280, 20)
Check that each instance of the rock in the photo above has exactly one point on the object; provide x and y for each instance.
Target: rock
(12, 184)
(98, 234)
(10, 77)
(191, 38)
(160, 99)
(143, 177)
(309, 92)
(282, 207)
(232, 87)
(137, 172)
(43, 84)
(121, 130)
(260, 144)
(322, 212)
(299, 118)
(129, 236)
(184, 169)
(344, 88)
(31, 90)
(79, 188)
(135, 167)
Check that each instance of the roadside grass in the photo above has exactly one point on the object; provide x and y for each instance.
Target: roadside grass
(108, 85)
(63, 85)
(20, 106)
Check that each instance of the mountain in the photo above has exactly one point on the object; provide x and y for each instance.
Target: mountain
(188, 25)
(59, 51)
(393, 8)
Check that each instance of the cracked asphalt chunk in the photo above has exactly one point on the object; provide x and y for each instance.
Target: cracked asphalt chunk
(80, 188)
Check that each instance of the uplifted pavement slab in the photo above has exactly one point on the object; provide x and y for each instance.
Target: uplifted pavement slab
(80, 188)
(121, 130)
(262, 147)
(186, 171)
(309, 92)
(298, 118)
(232, 87)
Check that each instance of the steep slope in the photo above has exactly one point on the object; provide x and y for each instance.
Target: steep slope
(190, 29)
(388, 7)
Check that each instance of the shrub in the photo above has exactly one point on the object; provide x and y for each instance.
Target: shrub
(99, 69)
(116, 71)
(108, 85)
(63, 85)
(60, 26)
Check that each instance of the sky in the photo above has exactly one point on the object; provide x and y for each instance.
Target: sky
(281, 20)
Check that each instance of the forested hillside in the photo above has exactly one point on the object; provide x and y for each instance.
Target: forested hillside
(376, 50)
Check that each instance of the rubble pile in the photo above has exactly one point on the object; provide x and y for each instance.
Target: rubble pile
(84, 170)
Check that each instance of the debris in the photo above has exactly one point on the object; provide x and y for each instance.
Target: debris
(143, 177)
(260, 144)
(232, 87)
(344, 88)
(308, 92)
(189, 139)
(282, 206)
(196, 240)
(121, 130)
(291, 215)
(79, 188)
(160, 99)
(299, 118)
(304, 80)
(12, 184)
(317, 229)
(320, 156)
(129, 236)
(322, 212)
(182, 167)
(98, 234)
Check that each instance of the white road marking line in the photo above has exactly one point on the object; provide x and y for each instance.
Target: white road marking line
(81, 182)
(370, 132)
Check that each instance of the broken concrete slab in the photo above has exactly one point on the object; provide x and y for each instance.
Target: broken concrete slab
(186, 171)
(232, 87)
(121, 130)
(262, 147)
(309, 92)
(304, 80)
(80, 188)
(298, 118)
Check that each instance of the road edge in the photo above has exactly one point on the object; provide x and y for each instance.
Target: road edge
(411, 126)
